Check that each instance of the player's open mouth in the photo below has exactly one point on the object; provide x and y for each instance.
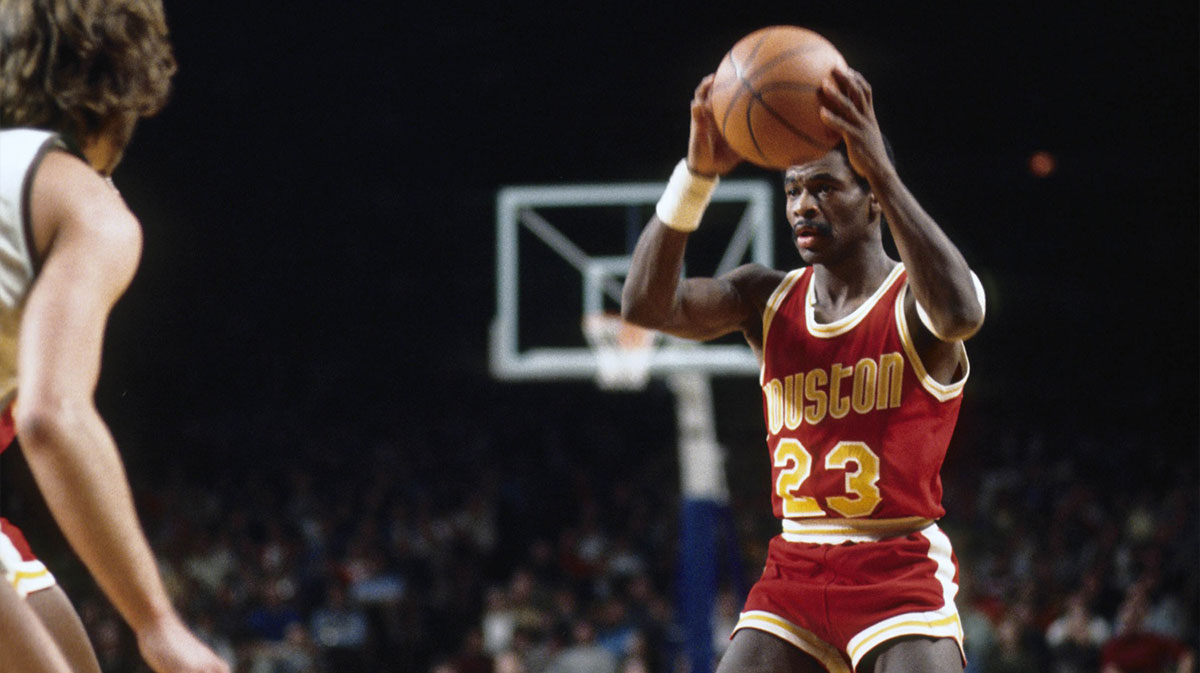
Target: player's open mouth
(807, 234)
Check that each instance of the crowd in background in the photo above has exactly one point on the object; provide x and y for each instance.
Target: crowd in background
(526, 546)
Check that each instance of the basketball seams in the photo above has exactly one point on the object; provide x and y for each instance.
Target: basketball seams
(793, 86)
(745, 86)
(737, 79)
(756, 93)
(783, 121)
(780, 71)
(782, 57)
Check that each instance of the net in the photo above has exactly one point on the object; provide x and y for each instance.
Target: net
(623, 351)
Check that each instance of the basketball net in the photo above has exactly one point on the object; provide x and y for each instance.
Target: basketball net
(623, 351)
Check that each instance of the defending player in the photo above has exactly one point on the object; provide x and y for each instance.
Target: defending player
(862, 371)
(76, 75)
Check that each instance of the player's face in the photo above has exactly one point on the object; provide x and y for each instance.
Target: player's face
(829, 211)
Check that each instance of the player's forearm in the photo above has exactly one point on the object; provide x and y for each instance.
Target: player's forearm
(650, 293)
(937, 272)
(75, 462)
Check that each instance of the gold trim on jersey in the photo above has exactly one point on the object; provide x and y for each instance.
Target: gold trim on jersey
(838, 531)
(777, 297)
(32, 576)
(942, 391)
(843, 325)
(941, 623)
(807, 641)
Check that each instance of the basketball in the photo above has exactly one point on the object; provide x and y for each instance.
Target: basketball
(764, 96)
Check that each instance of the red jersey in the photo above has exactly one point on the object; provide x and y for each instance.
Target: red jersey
(8, 428)
(856, 428)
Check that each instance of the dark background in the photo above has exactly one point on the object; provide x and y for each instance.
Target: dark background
(318, 198)
(318, 201)
(318, 204)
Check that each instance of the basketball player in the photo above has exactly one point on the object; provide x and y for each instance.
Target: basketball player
(862, 371)
(75, 77)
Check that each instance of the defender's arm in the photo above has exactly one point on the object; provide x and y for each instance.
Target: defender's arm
(91, 244)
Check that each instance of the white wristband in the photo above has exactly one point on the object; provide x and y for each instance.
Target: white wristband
(685, 198)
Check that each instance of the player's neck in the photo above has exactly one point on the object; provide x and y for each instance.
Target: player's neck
(851, 281)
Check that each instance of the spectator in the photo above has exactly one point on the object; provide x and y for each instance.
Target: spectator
(1137, 650)
(270, 620)
(471, 658)
(293, 654)
(584, 655)
(340, 630)
(1076, 636)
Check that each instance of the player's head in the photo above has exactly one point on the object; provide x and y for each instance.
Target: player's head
(88, 69)
(830, 208)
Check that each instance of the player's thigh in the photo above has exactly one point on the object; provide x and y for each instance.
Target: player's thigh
(753, 651)
(25, 645)
(917, 653)
(56, 612)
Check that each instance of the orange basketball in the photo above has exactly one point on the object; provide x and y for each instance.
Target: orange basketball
(764, 96)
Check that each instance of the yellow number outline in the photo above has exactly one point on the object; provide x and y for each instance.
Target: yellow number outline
(795, 466)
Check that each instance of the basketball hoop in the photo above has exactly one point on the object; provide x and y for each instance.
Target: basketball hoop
(623, 351)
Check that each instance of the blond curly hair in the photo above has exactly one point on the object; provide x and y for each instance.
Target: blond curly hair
(74, 65)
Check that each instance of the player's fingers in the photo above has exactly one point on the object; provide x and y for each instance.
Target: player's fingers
(865, 86)
(704, 88)
(850, 83)
(833, 121)
(831, 96)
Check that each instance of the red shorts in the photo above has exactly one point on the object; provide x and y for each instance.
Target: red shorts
(21, 568)
(837, 602)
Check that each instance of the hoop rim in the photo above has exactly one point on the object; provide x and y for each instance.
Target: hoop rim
(623, 350)
(597, 324)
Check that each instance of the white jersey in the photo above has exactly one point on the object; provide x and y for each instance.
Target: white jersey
(21, 151)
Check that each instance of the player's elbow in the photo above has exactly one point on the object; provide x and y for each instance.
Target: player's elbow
(637, 310)
(956, 315)
(642, 317)
(44, 425)
(959, 324)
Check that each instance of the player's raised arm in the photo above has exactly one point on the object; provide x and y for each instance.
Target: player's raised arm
(944, 288)
(654, 295)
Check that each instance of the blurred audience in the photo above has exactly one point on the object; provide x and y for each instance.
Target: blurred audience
(548, 547)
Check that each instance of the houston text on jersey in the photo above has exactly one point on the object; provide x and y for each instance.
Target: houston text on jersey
(808, 397)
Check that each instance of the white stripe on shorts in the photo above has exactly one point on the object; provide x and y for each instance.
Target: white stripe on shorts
(24, 576)
(943, 622)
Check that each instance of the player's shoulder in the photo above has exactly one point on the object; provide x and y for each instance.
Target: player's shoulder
(68, 181)
(755, 283)
(68, 194)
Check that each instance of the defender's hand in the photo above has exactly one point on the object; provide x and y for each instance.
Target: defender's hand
(848, 107)
(708, 153)
(169, 647)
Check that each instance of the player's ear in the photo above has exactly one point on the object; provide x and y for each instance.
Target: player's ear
(873, 207)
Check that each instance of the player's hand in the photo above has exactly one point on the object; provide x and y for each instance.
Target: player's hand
(708, 153)
(848, 107)
(169, 647)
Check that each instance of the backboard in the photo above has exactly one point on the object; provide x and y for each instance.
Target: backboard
(562, 253)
